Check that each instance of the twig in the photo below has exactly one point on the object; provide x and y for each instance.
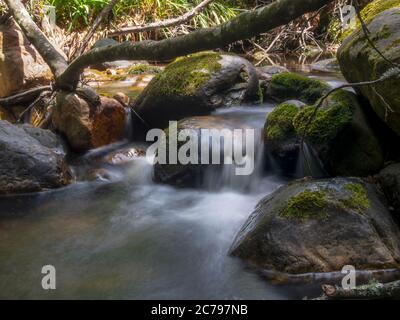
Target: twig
(166, 23)
(32, 105)
(107, 9)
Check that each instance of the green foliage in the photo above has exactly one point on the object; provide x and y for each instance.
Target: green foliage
(79, 13)
(306, 205)
(279, 124)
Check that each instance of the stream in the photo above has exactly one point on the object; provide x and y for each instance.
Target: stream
(129, 238)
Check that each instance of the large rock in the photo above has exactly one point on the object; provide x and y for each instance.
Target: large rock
(21, 66)
(341, 136)
(89, 122)
(196, 85)
(31, 159)
(360, 62)
(389, 180)
(320, 226)
(194, 175)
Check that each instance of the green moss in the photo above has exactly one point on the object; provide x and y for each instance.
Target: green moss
(384, 33)
(187, 74)
(279, 124)
(143, 68)
(372, 10)
(289, 85)
(306, 205)
(358, 199)
(329, 119)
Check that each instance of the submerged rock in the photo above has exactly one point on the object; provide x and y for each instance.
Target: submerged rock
(320, 226)
(389, 180)
(196, 85)
(21, 66)
(341, 136)
(287, 85)
(87, 120)
(194, 174)
(360, 62)
(31, 159)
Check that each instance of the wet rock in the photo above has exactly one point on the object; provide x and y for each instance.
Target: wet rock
(88, 122)
(341, 136)
(389, 180)
(359, 62)
(31, 159)
(21, 66)
(266, 72)
(287, 85)
(193, 175)
(320, 226)
(197, 85)
(124, 156)
(326, 66)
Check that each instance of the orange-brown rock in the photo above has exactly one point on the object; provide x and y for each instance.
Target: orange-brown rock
(88, 126)
(21, 66)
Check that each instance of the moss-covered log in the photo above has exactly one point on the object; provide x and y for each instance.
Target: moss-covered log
(390, 290)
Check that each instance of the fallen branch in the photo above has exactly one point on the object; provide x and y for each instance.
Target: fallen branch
(390, 290)
(244, 26)
(165, 23)
(23, 97)
(104, 13)
(53, 58)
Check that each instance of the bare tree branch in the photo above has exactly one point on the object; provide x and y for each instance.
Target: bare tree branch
(23, 97)
(104, 13)
(245, 25)
(165, 23)
(53, 58)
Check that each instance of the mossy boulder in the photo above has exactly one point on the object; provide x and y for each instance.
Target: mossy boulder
(370, 11)
(341, 136)
(389, 180)
(320, 226)
(360, 62)
(280, 136)
(287, 85)
(196, 85)
(31, 159)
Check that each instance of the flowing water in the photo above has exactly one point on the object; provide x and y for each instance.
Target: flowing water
(130, 238)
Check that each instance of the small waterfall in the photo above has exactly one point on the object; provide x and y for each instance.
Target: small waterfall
(309, 164)
(226, 175)
(128, 130)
